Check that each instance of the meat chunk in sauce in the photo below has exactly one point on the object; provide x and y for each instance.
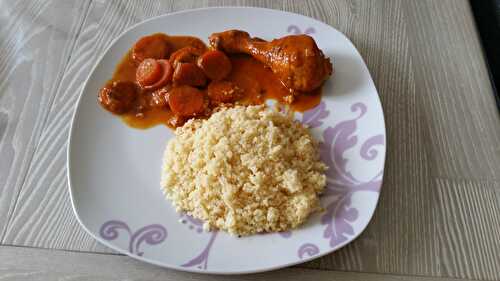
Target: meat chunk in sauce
(153, 46)
(187, 101)
(118, 97)
(223, 92)
(215, 64)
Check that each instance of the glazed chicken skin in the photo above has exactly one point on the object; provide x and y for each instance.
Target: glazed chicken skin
(295, 59)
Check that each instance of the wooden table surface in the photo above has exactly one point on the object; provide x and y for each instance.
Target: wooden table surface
(438, 217)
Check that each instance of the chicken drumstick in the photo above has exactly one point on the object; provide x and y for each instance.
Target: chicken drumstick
(295, 59)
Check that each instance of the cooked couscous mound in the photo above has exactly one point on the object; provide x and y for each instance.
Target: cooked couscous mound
(245, 170)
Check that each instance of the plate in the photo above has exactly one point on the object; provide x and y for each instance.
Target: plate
(114, 170)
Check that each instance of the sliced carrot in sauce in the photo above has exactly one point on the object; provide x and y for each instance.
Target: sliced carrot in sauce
(215, 64)
(152, 46)
(186, 101)
(148, 72)
(186, 54)
(189, 74)
(165, 78)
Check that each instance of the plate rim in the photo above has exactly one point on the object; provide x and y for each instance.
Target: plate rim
(208, 271)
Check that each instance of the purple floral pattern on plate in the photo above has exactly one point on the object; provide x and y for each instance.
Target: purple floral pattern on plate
(152, 234)
(313, 117)
(308, 249)
(296, 30)
(341, 185)
(285, 234)
(193, 223)
(367, 151)
(201, 260)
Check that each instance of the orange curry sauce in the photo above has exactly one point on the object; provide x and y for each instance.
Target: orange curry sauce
(255, 79)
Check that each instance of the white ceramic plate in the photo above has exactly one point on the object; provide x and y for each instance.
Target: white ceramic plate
(114, 170)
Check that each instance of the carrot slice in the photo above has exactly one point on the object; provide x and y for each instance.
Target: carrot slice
(189, 74)
(152, 46)
(186, 101)
(186, 54)
(148, 72)
(215, 64)
(165, 77)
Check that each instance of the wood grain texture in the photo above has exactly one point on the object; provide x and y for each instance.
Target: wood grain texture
(468, 237)
(44, 216)
(37, 264)
(36, 38)
(438, 213)
(460, 116)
